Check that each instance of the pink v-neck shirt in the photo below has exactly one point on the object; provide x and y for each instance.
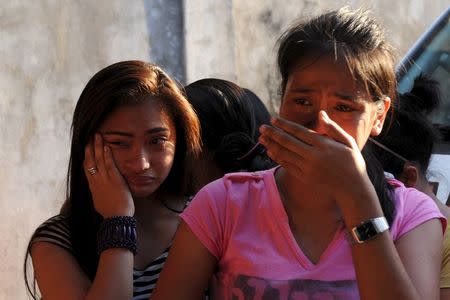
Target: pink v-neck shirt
(241, 220)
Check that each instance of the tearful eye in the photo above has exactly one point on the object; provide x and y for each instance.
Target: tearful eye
(344, 108)
(159, 141)
(302, 102)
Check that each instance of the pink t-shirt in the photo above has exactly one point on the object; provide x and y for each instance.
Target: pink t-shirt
(241, 220)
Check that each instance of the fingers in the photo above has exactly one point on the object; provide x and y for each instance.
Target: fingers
(94, 161)
(99, 153)
(333, 130)
(89, 164)
(110, 165)
(282, 146)
(302, 133)
(325, 128)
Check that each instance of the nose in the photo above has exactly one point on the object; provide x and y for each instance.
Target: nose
(144, 163)
(313, 121)
(139, 161)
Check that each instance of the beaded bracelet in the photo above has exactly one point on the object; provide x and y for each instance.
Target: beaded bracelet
(117, 232)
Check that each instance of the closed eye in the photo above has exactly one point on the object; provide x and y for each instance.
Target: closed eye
(118, 144)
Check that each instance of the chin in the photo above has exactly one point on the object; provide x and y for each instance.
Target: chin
(142, 193)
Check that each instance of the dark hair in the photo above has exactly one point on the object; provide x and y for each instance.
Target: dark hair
(230, 117)
(349, 35)
(411, 134)
(120, 84)
(356, 39)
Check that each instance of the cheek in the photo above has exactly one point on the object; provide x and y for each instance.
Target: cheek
(288, 112)
(361, 132)
(163, 160)
(119, 159)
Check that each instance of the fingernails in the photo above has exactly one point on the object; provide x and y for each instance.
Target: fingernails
(261, 140)
(262, 129)
(324, 115)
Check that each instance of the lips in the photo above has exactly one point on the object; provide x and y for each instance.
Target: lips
(140, 180)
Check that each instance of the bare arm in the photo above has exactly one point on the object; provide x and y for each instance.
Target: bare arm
(408, 270)
(188, 269)
(57, 272)
(384, 271)
(60, 277)
(420, 251)
(445, 293)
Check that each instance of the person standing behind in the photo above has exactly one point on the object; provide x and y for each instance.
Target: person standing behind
(132, 133)
(405, 147)
(230, 117)
(325, 223)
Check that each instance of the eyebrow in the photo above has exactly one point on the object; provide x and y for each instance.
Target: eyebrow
(343, 96)
(127, 134)
(302, 90)
(346, 97)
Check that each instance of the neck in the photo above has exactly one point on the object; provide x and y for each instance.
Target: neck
(144, 207)
(298, 197)
(160, 203)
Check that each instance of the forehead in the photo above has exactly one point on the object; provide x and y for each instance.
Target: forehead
(323, 72)
(146, 114)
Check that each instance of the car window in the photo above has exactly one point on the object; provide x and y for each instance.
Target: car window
(431, 55)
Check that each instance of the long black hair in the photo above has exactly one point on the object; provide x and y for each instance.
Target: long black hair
(122, 83)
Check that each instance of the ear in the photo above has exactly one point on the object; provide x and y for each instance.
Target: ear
(382, 107)
(410, 175)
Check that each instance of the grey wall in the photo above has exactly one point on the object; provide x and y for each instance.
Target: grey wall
(235, 39)
(51, 48)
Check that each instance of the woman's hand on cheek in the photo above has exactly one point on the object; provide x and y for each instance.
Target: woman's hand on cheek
(110, 193)
(328, 156)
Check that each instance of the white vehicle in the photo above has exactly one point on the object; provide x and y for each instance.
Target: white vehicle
(431, 55)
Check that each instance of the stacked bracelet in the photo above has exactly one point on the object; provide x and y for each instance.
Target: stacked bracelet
(117, 232)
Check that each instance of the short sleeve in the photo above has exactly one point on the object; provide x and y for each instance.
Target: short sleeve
(55, 231)
(205, 216)
(412, 209)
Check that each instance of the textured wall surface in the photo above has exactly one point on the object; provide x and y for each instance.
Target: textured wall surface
(50, 48)
(245, 44)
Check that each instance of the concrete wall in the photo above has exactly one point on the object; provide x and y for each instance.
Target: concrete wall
(51, 48)
(240, 44)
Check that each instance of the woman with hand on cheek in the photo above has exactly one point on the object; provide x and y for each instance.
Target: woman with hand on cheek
(325, 223)
(132, 132)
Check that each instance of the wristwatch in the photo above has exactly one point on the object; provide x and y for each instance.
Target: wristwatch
(369, 229)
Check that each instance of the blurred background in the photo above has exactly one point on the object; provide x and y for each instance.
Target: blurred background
(51, 48)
